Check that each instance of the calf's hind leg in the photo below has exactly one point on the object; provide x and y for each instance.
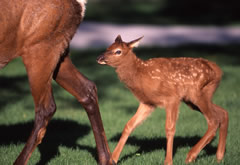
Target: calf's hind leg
(213, 125)
(223, 129)
(216, 117)
(67, 76)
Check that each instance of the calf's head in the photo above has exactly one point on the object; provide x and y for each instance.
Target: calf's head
(118, 53)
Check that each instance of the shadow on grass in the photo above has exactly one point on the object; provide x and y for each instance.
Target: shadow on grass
(59, 132)
(12, 89)
(159, 143)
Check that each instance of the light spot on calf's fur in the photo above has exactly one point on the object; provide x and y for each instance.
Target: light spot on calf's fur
(144, 64)
(194, 74)
(155, 77)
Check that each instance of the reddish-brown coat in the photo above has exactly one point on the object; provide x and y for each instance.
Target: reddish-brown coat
(39, 31)
(164, 82)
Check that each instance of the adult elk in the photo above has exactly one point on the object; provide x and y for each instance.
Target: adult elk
(39, 31)
(165, 82)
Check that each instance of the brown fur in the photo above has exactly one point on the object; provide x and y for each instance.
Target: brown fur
(165, 82)
(39, 31)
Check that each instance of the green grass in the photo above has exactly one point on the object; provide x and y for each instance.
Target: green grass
(69, 138)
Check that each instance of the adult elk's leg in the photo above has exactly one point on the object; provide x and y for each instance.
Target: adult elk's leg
(170, 127)
(85, 91)
(40, 70)
(142, 113)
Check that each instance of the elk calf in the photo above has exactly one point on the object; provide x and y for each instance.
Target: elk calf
(165, 82)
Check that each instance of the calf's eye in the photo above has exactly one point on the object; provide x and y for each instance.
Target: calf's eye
(118, 52)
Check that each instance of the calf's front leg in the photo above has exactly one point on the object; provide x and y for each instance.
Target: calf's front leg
(170, 127)
(142, 113)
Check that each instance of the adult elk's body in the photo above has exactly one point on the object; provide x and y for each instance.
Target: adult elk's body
(165, 82)
(39, 31)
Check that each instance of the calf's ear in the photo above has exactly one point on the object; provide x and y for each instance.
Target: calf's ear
(118, 39)
(134, 43)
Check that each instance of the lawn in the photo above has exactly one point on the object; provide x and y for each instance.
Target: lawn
(69, 139)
